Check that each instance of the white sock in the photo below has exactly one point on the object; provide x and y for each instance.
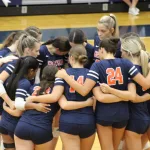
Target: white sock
(2, 146)
(121, 145)
(147, 145)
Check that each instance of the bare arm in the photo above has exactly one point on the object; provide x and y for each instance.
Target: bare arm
(141, 80)
(8, 101)
(7, 59)
(142, 98)
(21, 105)
(3, 76)
(48, 98)
(15, 112)
(72, 105)
(105, 98)
(146, 96)
(129, 94)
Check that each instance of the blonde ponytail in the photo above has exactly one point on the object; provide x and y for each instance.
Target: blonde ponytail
(144, 57)
(116, 27)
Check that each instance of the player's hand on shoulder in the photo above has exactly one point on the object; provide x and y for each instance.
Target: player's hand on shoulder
(9, 58)
(105, 88)
(61, 74)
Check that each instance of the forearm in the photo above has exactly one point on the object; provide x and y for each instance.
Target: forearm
(108, 98)
(126, 95)
(2, 89)
(72, 105)
(29, 106)
(16, 113)
(6, 98)
(105, 98)
(141, 80)
(48, 98)
(142, 98)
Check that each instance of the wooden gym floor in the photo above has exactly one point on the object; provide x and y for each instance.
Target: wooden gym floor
(51, 24)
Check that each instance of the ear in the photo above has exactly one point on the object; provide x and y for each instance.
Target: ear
(71, 58)
(30, 71)
(72, 44)
(112, 30)
(26, 50)
(102, 50)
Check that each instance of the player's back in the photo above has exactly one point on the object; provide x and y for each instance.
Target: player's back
(82, 115)
(38, 118)
(115, 73)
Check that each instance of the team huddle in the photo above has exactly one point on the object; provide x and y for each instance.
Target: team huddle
(66, 87)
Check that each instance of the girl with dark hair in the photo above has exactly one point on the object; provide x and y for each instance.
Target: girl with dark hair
(77, 37)
(34, 130)
(17, 87)
(54, 51)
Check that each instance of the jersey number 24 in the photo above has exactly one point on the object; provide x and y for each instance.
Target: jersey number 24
(114, 75)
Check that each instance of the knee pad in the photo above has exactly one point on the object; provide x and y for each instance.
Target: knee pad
(56, 132)
(9, 145)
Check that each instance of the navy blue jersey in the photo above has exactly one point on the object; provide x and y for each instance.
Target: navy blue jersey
(46, 58)
(4, 52)
(95, 49)
(8, 121)
(80, 116)
(8, 67)
(139, 110)
(38, 118)
(115, 73)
